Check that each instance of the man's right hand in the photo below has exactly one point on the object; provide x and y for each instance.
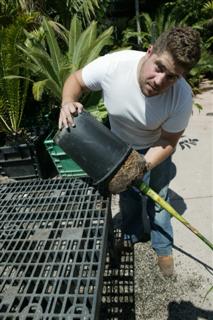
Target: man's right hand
(68, 111)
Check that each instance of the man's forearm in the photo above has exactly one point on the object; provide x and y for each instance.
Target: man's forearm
(158, 153)
(163, 148)
(72, 89)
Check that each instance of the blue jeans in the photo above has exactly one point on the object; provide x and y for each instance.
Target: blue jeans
(136, 222)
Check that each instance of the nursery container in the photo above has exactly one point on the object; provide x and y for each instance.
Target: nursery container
(93, 146)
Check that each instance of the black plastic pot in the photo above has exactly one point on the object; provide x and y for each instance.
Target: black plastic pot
(93, 147)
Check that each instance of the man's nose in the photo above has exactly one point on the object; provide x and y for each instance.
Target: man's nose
(160, 78)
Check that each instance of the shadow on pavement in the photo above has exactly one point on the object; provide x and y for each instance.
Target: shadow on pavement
(177, 202)
(188, 143)
(187, 311)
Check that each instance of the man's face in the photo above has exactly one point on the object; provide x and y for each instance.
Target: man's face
(157, 73)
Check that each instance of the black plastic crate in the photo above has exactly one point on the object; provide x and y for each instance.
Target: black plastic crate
(19, 162)
(53, 240)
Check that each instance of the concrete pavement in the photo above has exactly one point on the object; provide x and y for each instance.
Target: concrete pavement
(192, 191)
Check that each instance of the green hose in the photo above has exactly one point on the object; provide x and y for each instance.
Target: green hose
(144, 188)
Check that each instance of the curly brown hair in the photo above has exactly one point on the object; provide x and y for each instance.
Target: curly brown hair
(183, 43)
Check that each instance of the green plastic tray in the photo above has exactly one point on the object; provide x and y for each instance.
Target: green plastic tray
(64, 164)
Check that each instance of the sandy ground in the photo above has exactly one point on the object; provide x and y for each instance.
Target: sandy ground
(184, 296)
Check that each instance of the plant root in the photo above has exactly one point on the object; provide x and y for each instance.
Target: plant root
(131, 169)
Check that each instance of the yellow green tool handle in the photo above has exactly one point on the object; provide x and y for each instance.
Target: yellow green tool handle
(143, 187)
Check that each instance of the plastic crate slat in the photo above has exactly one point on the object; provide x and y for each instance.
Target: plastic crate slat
(53, 234)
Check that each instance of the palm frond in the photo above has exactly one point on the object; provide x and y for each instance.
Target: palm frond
(85, 7)
(60, 30)
(94, 51)
(46, 85)
(208, 7)
(13, 90)
(51, 67)
(43, 62)
(147, 20)
(83, 44)
(55, 52)
(74, 34)
(38, 89)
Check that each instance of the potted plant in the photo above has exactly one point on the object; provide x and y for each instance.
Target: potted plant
(20, 146)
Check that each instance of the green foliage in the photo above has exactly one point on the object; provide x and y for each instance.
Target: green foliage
(51, 66)
(13, 91)
(95, 105)
(196, 13)
(184, 8)
(208, 8)
(198, 106)
(8, 7)
(152, 27)
(204, 67)
(63, 10)
(87, 7)
(98, 110)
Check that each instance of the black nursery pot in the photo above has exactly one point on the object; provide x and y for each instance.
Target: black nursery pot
(93, 147)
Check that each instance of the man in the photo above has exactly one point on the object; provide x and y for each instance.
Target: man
(149, 104)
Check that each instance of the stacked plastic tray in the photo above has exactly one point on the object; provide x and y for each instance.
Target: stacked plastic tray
(19, 162)
(53, 240)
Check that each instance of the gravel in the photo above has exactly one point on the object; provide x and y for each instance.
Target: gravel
(156, 297)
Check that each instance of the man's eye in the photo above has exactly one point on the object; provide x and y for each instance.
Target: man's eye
(158, 69)
(172, 77)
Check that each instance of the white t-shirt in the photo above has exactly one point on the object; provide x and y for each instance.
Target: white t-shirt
(135, 118)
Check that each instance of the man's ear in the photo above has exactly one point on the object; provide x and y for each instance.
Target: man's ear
(150, 50)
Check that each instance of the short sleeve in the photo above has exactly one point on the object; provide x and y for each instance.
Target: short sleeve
(179, 118)
(93, 73)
